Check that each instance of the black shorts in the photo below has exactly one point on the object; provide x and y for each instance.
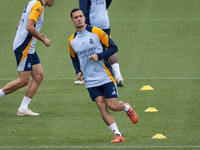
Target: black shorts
(108, 90)
(26, 61)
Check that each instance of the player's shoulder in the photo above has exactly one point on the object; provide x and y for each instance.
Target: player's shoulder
(99, 32)
(37, 5)
(94, 29)
(72, 36)
(38, 2)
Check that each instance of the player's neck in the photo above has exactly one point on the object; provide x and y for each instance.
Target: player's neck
(81, 29)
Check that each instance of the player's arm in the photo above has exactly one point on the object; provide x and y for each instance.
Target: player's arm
(31, 28)
(84, 5)
(107, 42)
(108, 2)
(74, 57)
(76, 64)
(35, 13)
(111, 49)
(105, 54)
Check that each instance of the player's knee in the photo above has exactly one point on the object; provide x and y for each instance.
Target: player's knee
(120, 103)
(24, 82)
(113, 107)
(39, 77)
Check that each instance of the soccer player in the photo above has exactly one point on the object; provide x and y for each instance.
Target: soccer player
(97, 15)
(28, 63)
(89, 49)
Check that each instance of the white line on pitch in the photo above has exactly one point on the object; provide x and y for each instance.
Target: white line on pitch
(126, 78)
(92, 147)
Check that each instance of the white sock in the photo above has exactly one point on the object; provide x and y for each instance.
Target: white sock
(116, 69)
(24, 105)
(2, 93)
(114, 129)
(126, 108)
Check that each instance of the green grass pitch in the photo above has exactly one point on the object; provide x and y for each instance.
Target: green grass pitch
(159, 45)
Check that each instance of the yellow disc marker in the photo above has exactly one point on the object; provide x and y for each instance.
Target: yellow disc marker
(151, 109)
(159, 136)
(146, 87)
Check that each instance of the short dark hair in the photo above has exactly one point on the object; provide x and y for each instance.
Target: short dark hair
(74, 10)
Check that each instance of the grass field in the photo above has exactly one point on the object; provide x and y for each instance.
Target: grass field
(158, 43)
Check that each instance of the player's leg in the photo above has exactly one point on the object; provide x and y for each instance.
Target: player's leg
(22, 81)
(24, 74)
(37, 76)
(115, 105)
(108, 119)
(24, 67)
(111, 95)
(96, 94)
(105, 114)
(115, 65)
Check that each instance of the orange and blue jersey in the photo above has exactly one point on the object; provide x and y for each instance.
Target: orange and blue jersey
(89, 42)
(24, 41)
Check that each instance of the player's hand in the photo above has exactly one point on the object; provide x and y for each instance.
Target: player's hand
(47, 42)
(80, 76)
(93, 58)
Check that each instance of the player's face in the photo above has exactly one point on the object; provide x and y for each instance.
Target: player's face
(50, 2)
(78, 19)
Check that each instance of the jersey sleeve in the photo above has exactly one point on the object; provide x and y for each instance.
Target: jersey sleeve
(108, 2)
(84, 5)
(107, 42)
(36, 11)
(74, 57)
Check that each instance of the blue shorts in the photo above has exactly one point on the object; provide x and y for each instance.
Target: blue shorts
(25, 62)
(108, 90)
